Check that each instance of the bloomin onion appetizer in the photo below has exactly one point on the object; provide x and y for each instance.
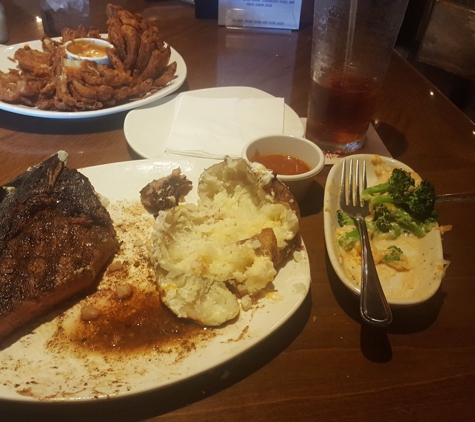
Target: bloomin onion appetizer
(48, 80)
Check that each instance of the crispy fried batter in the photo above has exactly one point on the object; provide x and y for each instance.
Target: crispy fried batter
(138, 45)
(132, 42)
(101, 93)
(139, 66)
(126, 17)
(157, 63)
(147, 45)
(33, 61)
(116, 37)
(166, 77)
(68, 34)
(49, 45)
(12, 88)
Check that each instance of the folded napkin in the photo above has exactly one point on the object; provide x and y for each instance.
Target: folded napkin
(216, 127)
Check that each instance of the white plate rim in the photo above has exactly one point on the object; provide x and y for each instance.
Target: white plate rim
(147, 128)
(330, 205)
(6, 64)
(101, 176)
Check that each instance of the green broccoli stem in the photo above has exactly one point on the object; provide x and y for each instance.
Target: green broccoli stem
(383, 199)
(411, 226)
(382, 187)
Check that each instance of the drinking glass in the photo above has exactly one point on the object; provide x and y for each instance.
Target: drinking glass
(60, 14)
(351, 49)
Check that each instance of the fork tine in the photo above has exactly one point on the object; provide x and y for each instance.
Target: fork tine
(343, 189)
(349, 181)
(365, 181)
(360, 182)
(353, 181)
(357, 184)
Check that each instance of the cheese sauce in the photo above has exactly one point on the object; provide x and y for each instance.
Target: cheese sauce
(87, 49)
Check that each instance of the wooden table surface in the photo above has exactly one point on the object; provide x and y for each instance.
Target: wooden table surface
(323, 364)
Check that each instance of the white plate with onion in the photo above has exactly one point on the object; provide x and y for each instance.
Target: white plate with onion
(5, 64)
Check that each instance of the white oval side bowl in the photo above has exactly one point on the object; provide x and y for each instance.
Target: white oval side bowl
(300, 148)
(104, 60)
(428, 271)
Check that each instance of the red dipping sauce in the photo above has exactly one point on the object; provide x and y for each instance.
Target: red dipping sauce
(281, 163)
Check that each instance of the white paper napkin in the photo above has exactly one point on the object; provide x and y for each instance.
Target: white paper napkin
(216, 127)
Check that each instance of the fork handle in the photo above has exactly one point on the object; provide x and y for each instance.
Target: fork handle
(374, 307)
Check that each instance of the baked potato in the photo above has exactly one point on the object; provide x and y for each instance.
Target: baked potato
(209, 255)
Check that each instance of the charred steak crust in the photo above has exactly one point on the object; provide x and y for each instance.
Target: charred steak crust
(55, 237)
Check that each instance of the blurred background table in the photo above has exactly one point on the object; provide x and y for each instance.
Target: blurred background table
(323, 364)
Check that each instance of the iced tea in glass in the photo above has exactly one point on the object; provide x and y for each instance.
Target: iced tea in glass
(340, 109)
(352, 45)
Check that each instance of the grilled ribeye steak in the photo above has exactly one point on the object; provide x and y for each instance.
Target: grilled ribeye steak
(55, 237)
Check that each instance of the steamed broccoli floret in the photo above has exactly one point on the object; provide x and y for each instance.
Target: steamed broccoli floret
(381, 218)
(396, 189)
(395, 219)
(344, 219)
(349, 240)
(383, 222)
(397, 207)
(393, 253)
(413, 209)
(399, 190)
(430, 222)
(420, 203)
(395, 258)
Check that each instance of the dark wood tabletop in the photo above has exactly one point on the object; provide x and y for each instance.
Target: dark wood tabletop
(323, 363)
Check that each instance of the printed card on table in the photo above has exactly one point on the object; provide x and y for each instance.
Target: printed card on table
(277, 14)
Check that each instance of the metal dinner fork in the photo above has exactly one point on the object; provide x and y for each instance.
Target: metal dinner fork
(374, 307)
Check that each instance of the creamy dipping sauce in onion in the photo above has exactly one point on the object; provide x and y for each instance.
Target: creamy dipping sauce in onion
(86, 48)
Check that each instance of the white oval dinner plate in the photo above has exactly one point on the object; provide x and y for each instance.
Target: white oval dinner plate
(33, 372)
